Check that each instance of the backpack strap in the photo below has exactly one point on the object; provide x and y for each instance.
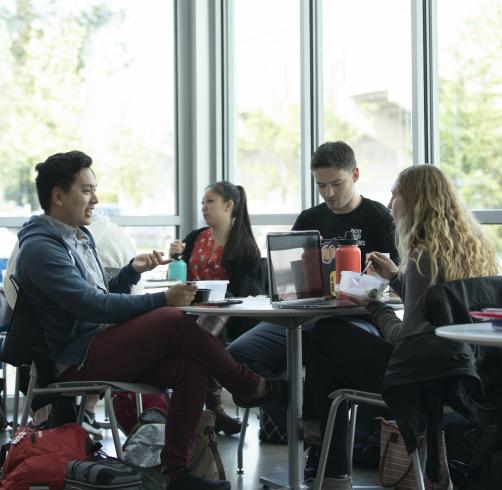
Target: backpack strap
(213, 446)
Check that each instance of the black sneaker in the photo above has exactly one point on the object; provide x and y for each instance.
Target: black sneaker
(90, 425)
(276, 396)
(188, 481)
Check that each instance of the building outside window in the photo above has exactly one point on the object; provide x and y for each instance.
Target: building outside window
(266, 104)
(367, 88)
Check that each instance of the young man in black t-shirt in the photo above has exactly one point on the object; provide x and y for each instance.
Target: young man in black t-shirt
(335, 172)
(334, 168)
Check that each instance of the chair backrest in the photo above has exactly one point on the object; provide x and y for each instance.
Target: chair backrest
(5, 313)
(256, 281)
(263, 274)
(25, 341)
(449, 303)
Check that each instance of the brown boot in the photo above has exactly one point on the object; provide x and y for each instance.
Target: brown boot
(223, 422)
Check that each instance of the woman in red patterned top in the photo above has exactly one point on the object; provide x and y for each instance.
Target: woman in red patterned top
(225, 249)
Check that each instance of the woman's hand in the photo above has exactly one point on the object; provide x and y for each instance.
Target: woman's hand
(382, 265)
(147, 262)
(176, 247)
(181, 294)
(359, 301)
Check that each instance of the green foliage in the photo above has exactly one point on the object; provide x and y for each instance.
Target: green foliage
(44, 65)
(471, 111)
(49, 50)
(471, 114)
(269, 156)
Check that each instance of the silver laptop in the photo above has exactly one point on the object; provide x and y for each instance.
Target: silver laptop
(295, 271)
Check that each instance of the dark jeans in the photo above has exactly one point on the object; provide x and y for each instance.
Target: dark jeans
(342, 356)
(263, 348)
(167, 349)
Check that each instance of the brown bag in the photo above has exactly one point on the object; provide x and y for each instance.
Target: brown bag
(206, 461)
(213, 324)
(396, 467)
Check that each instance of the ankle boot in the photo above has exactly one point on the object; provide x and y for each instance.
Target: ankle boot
(223, 422)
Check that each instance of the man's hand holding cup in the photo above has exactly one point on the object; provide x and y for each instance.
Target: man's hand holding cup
(181, 294)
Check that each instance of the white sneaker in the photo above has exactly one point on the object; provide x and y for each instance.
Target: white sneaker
(91, 426)
(335, 483)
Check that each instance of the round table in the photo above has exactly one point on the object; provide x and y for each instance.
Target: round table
(472, 333)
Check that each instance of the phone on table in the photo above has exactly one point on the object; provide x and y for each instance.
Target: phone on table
(222, 302)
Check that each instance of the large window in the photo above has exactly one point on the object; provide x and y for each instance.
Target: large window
(266, 106)
(93, 75)
(470, 101)
(148, 238)
(367, 88)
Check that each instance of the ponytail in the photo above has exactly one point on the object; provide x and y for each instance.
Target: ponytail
(241, 247)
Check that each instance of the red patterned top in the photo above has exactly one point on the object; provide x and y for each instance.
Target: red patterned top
(204, 263)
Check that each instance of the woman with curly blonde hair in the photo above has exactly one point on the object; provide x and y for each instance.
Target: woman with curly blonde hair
(438, 240)
(431, 217)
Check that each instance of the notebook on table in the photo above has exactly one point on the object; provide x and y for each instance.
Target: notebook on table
(295, 271)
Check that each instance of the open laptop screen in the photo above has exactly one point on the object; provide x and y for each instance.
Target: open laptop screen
(294, 260)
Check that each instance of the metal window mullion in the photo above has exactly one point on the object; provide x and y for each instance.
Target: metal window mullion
(229, 146)
(273, 219)
(424, 80)
(317, 91)
(432, 80)
(311, 93)
(185, 139)
(216, 113)
(489, 216)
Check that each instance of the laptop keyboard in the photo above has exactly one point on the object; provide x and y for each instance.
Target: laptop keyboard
(307, 301)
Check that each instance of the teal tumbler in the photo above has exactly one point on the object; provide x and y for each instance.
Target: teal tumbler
(177, 270)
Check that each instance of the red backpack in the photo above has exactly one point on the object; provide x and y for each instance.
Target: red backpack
(41, 456)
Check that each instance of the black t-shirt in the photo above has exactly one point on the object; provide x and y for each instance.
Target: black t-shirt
(370, 222)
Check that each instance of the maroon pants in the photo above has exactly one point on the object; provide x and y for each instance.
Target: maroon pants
(167, 349)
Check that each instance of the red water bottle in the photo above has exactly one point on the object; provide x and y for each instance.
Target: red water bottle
(347, 257)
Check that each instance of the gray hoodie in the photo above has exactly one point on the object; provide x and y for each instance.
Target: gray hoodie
(69, 309)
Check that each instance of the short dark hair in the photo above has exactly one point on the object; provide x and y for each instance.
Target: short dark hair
(336, 154)
(59, 170)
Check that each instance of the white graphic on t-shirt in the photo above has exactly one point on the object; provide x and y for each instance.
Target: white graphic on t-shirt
(357, 235)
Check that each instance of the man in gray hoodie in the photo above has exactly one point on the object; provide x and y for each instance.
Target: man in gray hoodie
(97, 330)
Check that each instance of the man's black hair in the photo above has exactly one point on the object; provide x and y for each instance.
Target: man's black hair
(59, 170)
(337, 154)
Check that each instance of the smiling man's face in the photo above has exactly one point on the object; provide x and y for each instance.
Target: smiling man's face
(76, 206)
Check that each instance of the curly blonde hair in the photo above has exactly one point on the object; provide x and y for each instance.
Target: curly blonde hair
(432, 217)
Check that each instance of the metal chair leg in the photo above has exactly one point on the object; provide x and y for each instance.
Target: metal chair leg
(326, 443)
(353, 419)
(113, 423)
(242, 436)
(15, 415)
(139, 405)
(4, 399)
(81, 409)
(364, 397)
(29, 396)
(419, 477)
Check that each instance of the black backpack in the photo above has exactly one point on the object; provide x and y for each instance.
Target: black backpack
(484, 470)
(480, 466)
